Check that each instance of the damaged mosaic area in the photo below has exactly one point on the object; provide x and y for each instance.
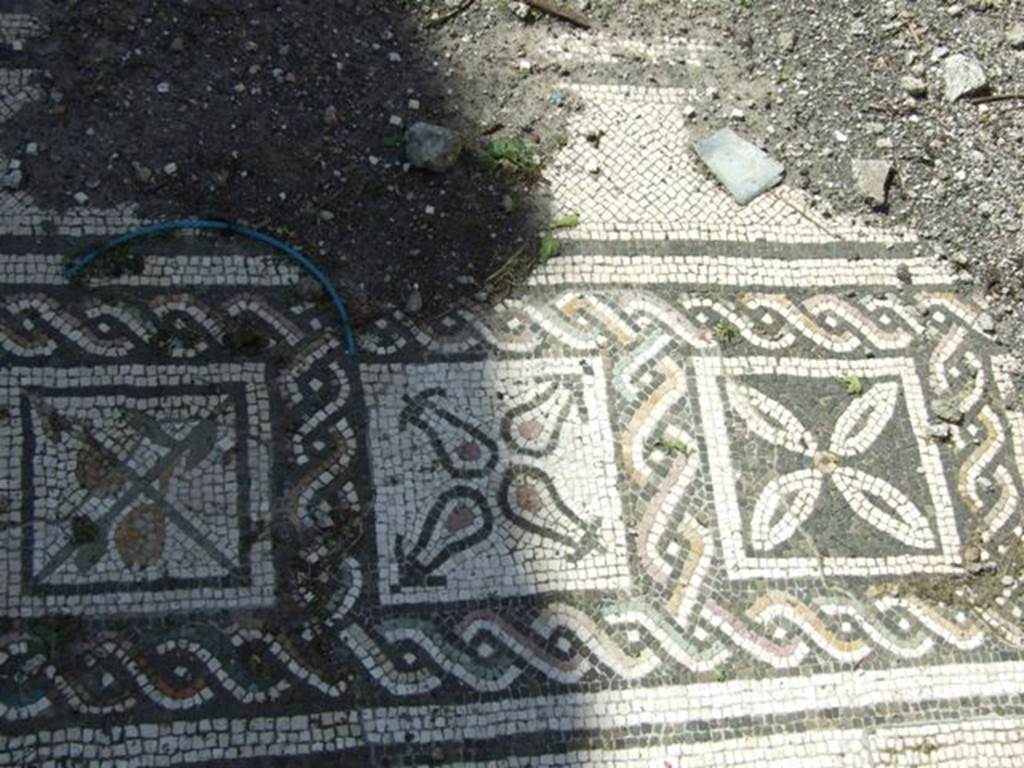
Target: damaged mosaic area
(594, 495)
(718, 486)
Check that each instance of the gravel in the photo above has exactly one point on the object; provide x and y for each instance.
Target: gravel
(857, 68)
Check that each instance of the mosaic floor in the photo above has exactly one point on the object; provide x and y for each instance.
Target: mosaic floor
(723, 486)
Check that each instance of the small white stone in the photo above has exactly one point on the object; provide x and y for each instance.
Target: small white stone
(171, 168)
(163, 87)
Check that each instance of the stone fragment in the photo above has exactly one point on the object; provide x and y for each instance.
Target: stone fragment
(786, 40)
(81, 198)
(872, 180)
(962, 76)
(742, 168)
(1015, 36)
(914, 86)
(520, 10)
(948, 410)
(413, 302)
(12, 179)
(986, 323)
(432, 147)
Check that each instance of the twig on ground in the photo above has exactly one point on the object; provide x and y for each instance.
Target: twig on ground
(444, 19)
(561, 12)
(913, 31)
(996, 97)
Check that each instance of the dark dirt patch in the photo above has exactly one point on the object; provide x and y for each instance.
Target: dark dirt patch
(282, 117)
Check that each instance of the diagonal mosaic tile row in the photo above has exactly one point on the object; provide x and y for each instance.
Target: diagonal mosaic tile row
(616, 491)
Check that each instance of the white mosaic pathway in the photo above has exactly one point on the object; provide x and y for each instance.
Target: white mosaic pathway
(640, 179)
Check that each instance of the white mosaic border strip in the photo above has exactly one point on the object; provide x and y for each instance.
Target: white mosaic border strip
(738, 271)
(16, 28)
(593, 269)
(601, 48)
(158, 270)
(21, 217)
(988, 743)
(191, 741)
(646, 94)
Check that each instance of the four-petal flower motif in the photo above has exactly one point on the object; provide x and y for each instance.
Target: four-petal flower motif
(788, 501)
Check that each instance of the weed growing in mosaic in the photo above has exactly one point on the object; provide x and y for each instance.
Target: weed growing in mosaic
(512, 155)
(726, 334)
(548, 249)
(84, 530)
(51, 637)
(854, 386)
(672, 446)
(569, 221)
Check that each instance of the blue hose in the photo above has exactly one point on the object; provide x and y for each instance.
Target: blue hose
(75, 268)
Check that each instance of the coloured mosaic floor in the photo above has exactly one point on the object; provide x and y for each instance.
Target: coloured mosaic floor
(723, 486)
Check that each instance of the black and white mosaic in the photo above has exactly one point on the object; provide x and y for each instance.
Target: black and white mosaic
(499, 479)
(136, 488)
(747, 496)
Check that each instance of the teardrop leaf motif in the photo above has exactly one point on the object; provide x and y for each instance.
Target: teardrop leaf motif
(98, 470)
(864, 419)
(783, 506)
(140, 535)
(463, 448)
(530, 501)
(884, 508)
(533, 427)
(459, 519)
(769, 419)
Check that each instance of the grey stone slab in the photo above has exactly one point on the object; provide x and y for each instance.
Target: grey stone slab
(743, 169)
(963, 76)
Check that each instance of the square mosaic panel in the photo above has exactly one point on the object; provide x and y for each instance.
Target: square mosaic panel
(824, 466)
(135, 488)
(493, 478)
